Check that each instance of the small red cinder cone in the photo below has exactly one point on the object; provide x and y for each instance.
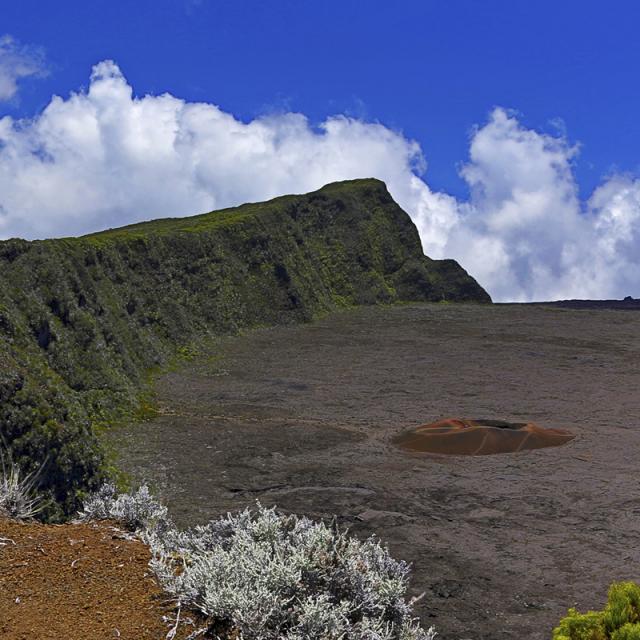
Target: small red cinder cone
(459, 436)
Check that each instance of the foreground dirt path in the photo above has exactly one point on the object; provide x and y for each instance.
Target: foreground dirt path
(303, 417)
(77, 582)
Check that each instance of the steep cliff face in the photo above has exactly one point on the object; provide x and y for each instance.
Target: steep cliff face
(83, 319)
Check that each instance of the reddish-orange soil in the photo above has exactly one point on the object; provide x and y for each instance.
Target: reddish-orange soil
(78, 582)
(457, 436)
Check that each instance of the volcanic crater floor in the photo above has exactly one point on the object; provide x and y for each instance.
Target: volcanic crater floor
(304, 417)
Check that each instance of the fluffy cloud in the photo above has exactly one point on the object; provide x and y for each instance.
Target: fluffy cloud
(16, 62)
(103, 158)
(525, 232)
(524, 214)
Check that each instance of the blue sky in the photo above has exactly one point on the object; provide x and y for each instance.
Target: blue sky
(430, 72)
(432, 69)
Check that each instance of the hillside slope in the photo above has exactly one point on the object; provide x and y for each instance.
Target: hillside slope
(83, 319)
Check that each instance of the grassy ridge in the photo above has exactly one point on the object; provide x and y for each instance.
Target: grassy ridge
(83, 319)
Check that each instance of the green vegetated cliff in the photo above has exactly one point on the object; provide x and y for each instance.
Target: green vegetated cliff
(83, 319)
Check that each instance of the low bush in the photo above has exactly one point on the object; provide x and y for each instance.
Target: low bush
(41, 421)
(620, 619)
(137, 512)
(263, 575)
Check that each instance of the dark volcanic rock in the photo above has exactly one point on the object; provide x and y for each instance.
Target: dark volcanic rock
(502, 544)
(628, 304)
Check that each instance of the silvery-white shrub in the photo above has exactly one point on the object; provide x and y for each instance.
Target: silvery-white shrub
(135, 512)
(270, 576)
(18, 497)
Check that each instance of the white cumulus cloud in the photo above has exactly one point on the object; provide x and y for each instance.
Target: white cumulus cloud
(524, 232)
(16, 62)
(103, 158)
